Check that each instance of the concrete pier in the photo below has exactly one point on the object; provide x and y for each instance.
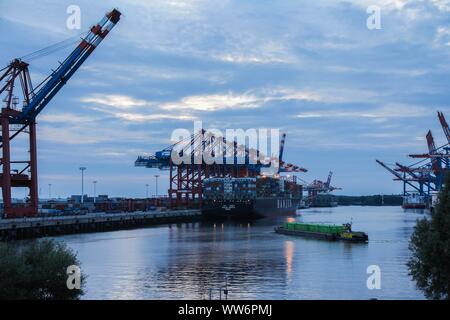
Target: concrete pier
(28, 228)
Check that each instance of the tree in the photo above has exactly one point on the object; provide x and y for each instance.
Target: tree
(429, 264)
(37, 271)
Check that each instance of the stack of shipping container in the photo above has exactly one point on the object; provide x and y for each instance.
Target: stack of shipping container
(250, 188)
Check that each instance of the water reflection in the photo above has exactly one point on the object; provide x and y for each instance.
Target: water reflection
(184, 261)
(289, 255)
(220, 251)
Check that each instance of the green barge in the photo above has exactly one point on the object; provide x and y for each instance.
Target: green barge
(322, 231)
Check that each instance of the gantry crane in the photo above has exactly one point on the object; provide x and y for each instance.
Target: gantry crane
(415, 177)
(426, 175)
(444, 125)
(320, 187)
(439, 157)
(185, 177)
(16, 120)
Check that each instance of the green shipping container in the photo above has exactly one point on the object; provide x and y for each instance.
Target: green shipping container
(314, 227)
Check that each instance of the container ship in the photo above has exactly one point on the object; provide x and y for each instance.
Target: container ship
(414, 201)
(262, 196)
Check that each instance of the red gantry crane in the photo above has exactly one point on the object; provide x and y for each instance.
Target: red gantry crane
(320, 187)
(17, 120)
(427, 175)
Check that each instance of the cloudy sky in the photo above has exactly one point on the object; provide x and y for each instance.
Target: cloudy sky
(345, 95)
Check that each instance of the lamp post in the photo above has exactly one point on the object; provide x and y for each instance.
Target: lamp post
(82, 183)
(49, 191)
(95, 190)
(156, 182)
(146, 196)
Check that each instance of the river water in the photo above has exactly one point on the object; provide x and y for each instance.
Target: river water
(185, 261)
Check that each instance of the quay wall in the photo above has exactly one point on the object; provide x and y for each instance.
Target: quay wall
(28, 228)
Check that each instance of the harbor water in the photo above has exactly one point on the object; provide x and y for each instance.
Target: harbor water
(193, 260)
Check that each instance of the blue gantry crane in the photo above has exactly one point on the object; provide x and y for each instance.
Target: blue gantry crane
(16, 120)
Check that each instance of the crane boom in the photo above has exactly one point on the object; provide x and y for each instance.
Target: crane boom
(432, 149)
(283, 166)
(328, 183)
(396, 174)
(421, 175)
(65, 71)
(444, 125)
(283, 140)
(14, 120)
(430, 142)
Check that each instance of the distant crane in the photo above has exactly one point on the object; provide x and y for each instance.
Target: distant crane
(427, 174)
(444, 126)
(15, 120)
(409, 177)
(420, 174)
(438, 156)
(317, 186)
(436, 162)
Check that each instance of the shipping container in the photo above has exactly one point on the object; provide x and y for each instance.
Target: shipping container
(321, 228)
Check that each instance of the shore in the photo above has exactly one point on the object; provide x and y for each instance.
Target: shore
(28, 228)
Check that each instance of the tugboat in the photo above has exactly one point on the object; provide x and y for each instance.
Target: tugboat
(322, 231)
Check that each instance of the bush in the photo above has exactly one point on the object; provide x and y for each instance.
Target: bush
(430, 245)
(37, 271)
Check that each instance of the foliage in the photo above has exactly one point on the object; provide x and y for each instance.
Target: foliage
(375, 200)
(430, 246)
(36, 271)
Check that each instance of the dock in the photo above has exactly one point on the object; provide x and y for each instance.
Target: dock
(29, 228)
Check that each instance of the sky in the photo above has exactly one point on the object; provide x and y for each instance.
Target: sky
(344, 94)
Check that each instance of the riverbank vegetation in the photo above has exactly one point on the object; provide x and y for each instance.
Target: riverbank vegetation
(37, 271)
(374, 200)
(429, 265)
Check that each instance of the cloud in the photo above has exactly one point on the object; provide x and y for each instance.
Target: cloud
(255, 51)
(207, 102)
(66, 118)
(442, 5)
(250, 99)
(138, 117)
(385, 135)
(442, 35)
(314, 70)
(131, 109)
(101, 133)
(70, 135)
(139, 72)
(380, 113)
(389, 5)
(115, 101)
(214, 102)
(242, 58)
